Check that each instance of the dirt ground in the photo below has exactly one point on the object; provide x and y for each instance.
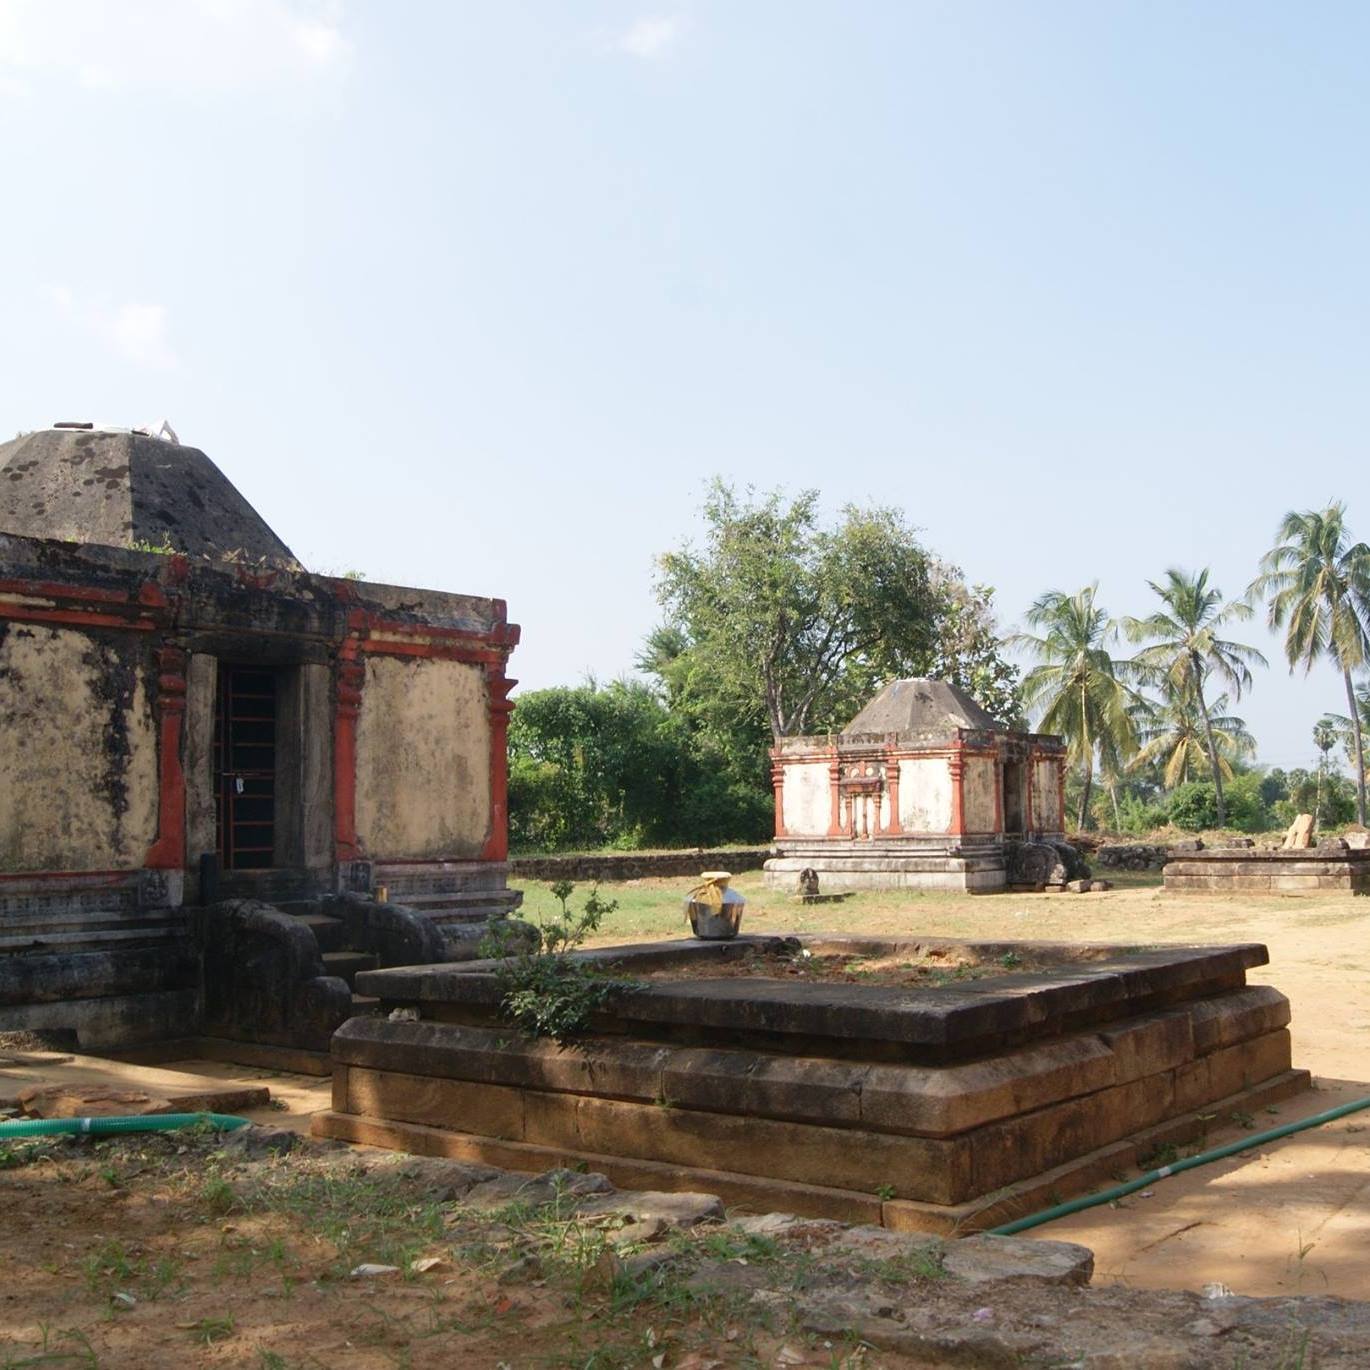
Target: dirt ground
(222, 1273)
(1291, 1218)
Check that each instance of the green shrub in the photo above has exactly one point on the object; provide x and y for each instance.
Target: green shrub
(1247, 810)
(1194, 806)
(545, 990)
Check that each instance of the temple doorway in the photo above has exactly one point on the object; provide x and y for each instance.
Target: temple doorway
(245, 765)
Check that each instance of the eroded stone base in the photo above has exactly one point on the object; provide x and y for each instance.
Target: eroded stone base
(836, 1092)
(764, 1195)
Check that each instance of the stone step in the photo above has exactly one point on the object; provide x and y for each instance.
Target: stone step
(328, 931)
(479, 902)
(402, 879)
(94, 920)
(270, 886)
(87, 941)
(347, 964)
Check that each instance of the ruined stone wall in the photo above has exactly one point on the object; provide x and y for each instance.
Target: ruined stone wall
(638, 865)
(78, 749)
(925, 794)
(423, 760)
(978, 795)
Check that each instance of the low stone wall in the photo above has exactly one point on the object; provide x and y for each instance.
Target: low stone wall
(1131, 856)
(1151, 856)
(637, 865)
(1314, 870)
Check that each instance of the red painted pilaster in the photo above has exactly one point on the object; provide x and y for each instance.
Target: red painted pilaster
(956, 763)
(349, 678)
(778, 784)
(168, 852)
(497, 843)
(835, 796)
(892, 789)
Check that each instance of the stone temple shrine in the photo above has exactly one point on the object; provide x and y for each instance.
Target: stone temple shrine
(921, 789)
(226, 784)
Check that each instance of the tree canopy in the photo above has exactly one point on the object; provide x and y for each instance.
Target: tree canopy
(781, 617)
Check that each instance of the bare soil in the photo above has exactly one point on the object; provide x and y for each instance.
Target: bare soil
(174, 1250)
(924, 971)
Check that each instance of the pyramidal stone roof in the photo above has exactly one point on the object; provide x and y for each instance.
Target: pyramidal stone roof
(930, 707)
(122, 489)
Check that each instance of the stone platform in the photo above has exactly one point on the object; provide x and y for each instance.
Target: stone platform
(942, 1108)
(1244, 870)
(968, 865)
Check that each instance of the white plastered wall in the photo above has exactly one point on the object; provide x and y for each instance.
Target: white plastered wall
(804, 798)
(925, 794)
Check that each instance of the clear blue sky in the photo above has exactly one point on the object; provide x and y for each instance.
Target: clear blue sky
(478, 296)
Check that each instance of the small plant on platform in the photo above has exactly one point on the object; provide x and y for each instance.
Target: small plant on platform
(547, 991)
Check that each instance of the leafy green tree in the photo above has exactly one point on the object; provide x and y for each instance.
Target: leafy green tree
(1081, 691)
(1180, 740)
(594, 765)
(1316, 583)
(1185, 649)
(781, 619)
(1247, 810)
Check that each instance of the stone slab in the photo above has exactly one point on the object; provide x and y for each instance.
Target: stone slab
(762, 1195)
(740, 1192)
(928, 1168)
(942, 1170)
(927, 1023)
(919, 1101)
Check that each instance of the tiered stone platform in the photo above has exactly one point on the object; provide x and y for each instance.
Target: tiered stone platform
(943, 1108)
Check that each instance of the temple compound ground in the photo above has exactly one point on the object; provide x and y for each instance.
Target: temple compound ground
(244, 1258)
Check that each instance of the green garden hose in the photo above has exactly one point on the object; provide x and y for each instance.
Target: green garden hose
(104, 1127)
(1218, 1153)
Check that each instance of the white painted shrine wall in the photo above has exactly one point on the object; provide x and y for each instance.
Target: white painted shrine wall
(925, 794)
(804, 798)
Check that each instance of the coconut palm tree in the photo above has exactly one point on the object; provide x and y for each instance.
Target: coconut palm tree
(1316, 582)
(1185, 649)
(1081, 690)
(1182, 740)
(1344, 727)
(1325, 735)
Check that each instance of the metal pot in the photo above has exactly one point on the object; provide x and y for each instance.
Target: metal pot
(714, 910)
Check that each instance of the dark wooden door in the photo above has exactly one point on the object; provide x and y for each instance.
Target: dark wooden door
(245, 766)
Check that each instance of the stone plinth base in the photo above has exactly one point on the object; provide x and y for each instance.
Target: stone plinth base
(1241, 870)
(888, 864)
(827, 1097)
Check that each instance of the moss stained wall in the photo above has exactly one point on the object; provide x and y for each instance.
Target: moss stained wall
(423, 760)
(977, 795)
(78, 750)
(1046, 796)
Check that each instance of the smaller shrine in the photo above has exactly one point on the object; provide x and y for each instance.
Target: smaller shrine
(921, 789)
